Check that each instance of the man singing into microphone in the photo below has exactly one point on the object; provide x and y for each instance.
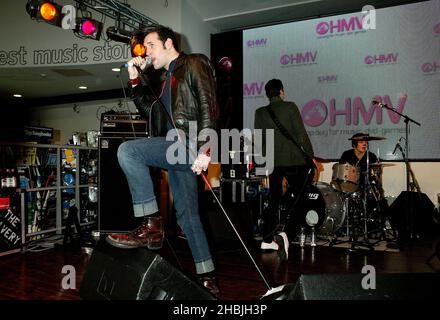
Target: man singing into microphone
(188, 94)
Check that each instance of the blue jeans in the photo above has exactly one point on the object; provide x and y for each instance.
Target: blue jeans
(135, 157)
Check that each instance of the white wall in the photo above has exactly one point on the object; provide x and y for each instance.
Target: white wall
(196, 31)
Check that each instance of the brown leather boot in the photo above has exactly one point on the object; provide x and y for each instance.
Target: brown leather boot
(150, 234)
(210, 284)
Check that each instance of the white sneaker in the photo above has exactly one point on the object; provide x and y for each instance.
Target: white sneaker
(269, 246)
(283, 243)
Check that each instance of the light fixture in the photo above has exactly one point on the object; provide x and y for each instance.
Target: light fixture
(139, 50)
(47, 11)
(119, 35)
(82, 87)
(88, 28)
(17, 95)
(116, 69)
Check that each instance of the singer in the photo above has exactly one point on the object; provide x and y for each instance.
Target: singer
(188, 94)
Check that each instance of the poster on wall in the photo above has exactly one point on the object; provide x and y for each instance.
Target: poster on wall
(341, 73)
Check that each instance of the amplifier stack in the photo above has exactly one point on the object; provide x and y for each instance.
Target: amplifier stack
(115, 209)
(123, 124)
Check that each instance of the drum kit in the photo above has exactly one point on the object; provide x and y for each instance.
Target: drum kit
(346, 208)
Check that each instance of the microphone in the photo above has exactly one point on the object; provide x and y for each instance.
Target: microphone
(398, 146)
(382, 105)
(131, 64)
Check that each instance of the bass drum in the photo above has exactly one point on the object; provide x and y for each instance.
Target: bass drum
(322, 207)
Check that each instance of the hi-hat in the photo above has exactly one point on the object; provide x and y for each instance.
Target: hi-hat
(382, 164)
(367, 138)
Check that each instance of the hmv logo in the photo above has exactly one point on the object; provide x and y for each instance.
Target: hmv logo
(339, 26)
(253, 89)
(299, 58)
(386, 58)
(431, 67)
(355, 23)
(328, 79)
(256, 43)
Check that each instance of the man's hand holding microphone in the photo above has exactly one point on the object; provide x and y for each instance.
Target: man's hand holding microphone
(135, 66)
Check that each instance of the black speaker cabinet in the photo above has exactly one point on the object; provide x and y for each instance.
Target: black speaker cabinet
(217, 227)
(135, 274)
(399, 286)
(411, 214)
(115, 208)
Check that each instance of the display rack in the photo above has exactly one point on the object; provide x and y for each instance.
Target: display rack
(51, 179)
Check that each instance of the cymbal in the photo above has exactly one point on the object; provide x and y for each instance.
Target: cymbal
(377, 165)
(367, 138)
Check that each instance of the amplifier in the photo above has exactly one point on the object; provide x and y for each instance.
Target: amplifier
(123, 124)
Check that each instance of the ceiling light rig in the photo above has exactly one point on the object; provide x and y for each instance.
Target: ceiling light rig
(45, 11)
(127, 20)
(122, 13)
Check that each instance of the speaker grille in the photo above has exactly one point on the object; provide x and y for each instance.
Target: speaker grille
(136, 274)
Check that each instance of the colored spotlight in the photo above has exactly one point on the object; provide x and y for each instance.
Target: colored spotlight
(48, 11)
(88, 28)
(139, 50)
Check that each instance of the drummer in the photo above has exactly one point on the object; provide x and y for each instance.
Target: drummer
(357, 156)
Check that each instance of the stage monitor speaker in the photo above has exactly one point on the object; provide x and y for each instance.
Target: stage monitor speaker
(115, 208)
(411, 214)
(136, 274)
(398, 286)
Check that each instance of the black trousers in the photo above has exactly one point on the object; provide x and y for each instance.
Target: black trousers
(298, 177)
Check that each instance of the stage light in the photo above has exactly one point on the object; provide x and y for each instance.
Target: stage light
(88, 28)
(139, 50)
(46, 11)
(120, 35)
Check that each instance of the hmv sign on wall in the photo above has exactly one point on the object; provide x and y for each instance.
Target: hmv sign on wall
(341, 70)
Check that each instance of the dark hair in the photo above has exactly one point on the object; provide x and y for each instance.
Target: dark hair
(354, 142)
(163, 32)
(273, 88)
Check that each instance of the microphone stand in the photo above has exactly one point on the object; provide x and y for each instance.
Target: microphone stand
(409, 217)
(271, 290)
(405, 154)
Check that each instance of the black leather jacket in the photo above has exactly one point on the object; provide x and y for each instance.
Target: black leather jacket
(193, 97)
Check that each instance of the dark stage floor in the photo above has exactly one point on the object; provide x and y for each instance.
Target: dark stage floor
(39, 275)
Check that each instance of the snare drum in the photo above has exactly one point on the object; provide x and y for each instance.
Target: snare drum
(345, 177)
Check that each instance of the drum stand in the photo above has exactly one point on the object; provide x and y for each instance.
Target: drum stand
(334, 240)
(355, 236)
